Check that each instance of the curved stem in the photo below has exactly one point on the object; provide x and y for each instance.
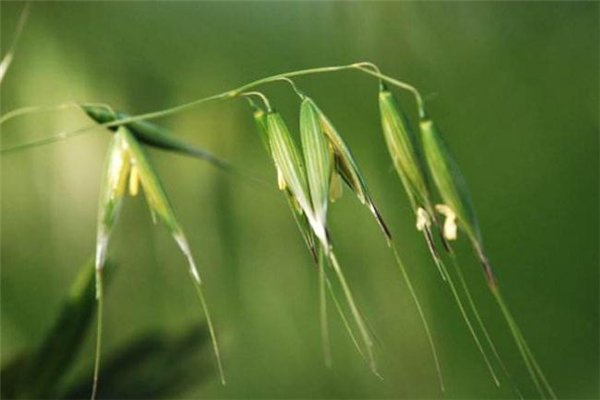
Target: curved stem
(98, 349)
(34, 109)
(260, 95)
(294, 87)
(417, 302)
(230, 94)
(395, 82)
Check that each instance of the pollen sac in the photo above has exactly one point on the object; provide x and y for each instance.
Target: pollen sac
(347, 168)
(336, 187)
(318, 159)
(450, 228)
(113, 187)
(448, 179)
(423, 220)
(404, 150)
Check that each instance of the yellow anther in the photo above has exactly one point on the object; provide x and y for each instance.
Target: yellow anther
(134, 181)
(450, 227)
(423, 219)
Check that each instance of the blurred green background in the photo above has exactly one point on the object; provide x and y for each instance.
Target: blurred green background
(514, 87)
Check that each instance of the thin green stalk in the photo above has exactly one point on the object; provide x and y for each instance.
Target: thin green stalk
(465, 316)
(528, 358)
(211, 329)
(34, 109)
(338, 306)
(480, 322)
(436, 258)
(413, 294)
(230, 94)
(323, 311)
(345, 321)
(536, 365)
(99, 298)
(355, 312)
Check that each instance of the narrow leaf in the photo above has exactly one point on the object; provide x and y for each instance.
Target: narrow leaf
(156, 136)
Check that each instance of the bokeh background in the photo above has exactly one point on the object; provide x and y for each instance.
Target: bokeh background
(514, 86)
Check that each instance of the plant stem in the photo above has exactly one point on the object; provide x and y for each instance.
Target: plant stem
(99, 298)
(230, 94)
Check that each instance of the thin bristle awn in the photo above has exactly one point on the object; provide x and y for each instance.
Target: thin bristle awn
(323, 310)
(98, 345)
(211, 329)
(480, 322)
(453, 189)
(364, 332)
(417, 302)
(8, 57)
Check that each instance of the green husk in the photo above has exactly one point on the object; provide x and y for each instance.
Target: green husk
(291, 171)
(408, 161)
(116, 170)
(453, 189)
(347, 168)
(294, 183)
(404, 150)
(318, 160)
(260, 120)
(160, 208)
(448, 178)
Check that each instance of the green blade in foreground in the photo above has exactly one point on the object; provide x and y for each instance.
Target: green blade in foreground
(153, 365)
(43, 372)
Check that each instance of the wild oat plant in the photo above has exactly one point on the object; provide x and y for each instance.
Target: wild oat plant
(311, 177)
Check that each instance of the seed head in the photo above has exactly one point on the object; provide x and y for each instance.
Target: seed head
(404, 150)
(448, 179)
(114, 182)
(291, 171)
(346, 167)
(318, 160)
